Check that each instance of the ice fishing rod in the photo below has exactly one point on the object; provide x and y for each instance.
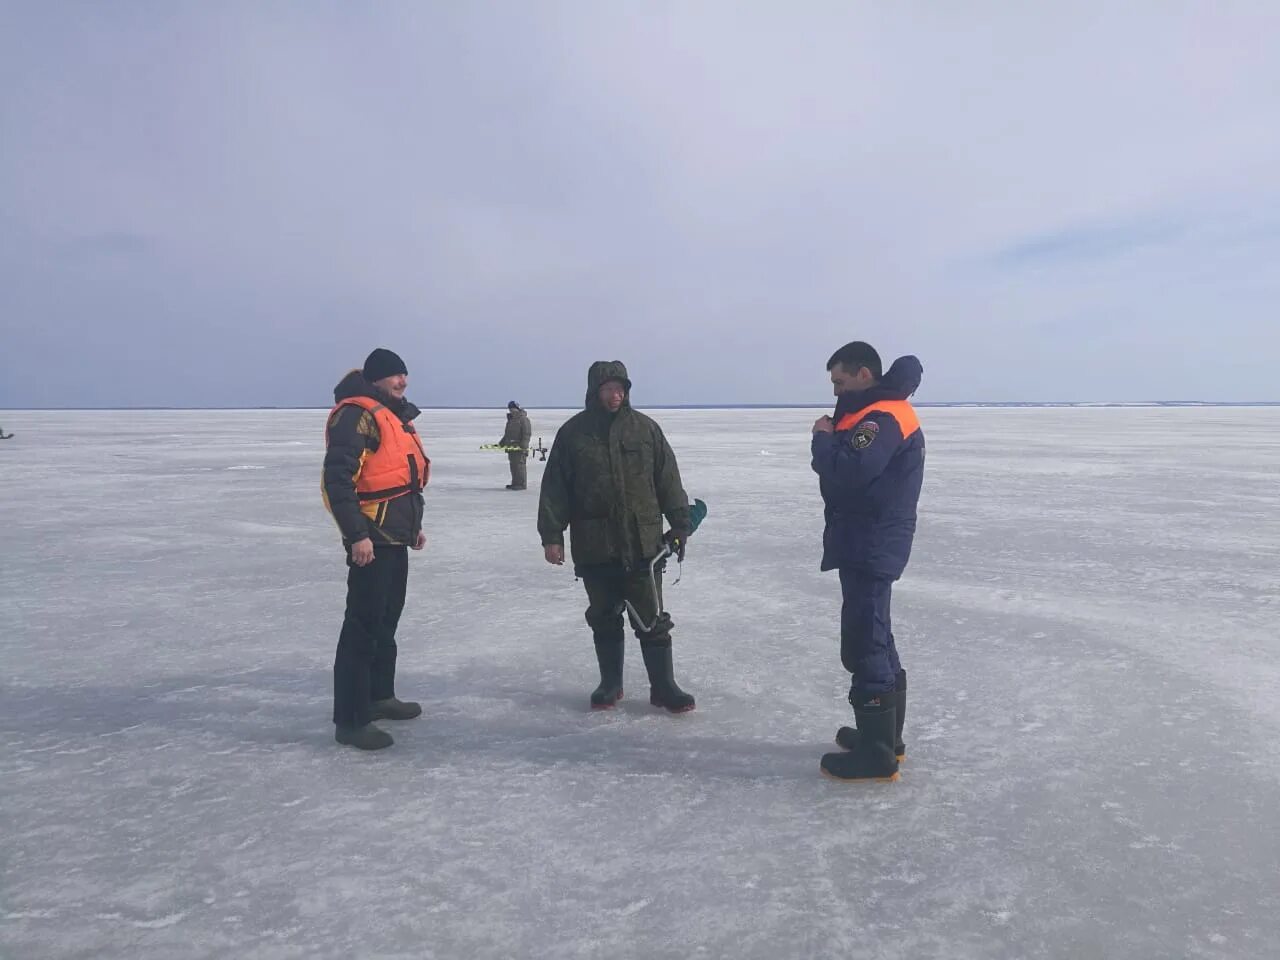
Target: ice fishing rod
(697, 513)
(539, 449)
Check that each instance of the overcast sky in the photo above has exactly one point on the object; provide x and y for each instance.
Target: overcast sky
(231, 203)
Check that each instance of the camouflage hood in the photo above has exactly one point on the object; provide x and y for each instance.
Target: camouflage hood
(601, 372)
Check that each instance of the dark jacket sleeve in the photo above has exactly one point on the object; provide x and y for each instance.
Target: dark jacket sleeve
(554, 501)
(840, 461)
(672, 499)
(526, 432)
(352, 434)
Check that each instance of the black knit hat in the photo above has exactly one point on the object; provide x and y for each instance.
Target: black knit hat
(383, 363)
(513, 405)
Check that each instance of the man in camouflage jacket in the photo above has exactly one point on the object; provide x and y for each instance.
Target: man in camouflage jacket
(611, 477)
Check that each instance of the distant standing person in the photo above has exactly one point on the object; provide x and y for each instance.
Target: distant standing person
(870, 464)
(375, 469)
(611, 478)
(516, 440)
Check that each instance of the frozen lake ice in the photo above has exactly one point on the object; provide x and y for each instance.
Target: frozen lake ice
(1089, 622)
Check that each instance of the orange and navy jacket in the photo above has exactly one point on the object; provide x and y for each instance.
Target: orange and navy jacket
(375, 467)
(870, 471)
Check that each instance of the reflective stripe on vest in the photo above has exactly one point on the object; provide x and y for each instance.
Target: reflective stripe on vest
(399, 466)
(900, 410)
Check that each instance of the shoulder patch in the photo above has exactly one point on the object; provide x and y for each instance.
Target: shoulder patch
(864, 434)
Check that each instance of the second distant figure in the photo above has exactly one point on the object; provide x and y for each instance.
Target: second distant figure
(515, 440)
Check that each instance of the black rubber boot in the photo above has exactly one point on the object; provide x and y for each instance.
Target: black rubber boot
(395, 709)
(873, 757)
(367, 737)
(847, 737)
(609, 654)
(663, 691)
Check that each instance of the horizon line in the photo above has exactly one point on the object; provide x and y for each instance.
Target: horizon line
(683, 406)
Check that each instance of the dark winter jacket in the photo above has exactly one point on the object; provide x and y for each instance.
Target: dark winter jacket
(519, 430)
(610, 478)
(869, 472)
(351, 435)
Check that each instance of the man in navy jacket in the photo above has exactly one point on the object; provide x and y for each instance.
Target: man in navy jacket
(870, 463)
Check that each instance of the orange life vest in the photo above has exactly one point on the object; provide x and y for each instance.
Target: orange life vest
(398, 467)
(900, 410)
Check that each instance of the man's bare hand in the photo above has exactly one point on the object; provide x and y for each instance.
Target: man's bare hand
(824, 425)
(554, 553)
(362, 552)
(421, 541)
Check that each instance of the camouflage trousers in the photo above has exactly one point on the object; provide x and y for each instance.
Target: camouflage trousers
(608, 586)
(519, 469)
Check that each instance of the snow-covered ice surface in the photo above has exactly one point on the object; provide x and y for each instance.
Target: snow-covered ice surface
(1089, 623)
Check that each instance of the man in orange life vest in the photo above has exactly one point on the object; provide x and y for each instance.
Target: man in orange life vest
(374, 471)
(870, 463)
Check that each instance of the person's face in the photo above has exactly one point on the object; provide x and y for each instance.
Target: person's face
(842, 381)
(611, 394)
(393, 385)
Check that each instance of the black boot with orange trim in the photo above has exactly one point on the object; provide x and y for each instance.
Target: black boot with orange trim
(847, 737)
(872, 757)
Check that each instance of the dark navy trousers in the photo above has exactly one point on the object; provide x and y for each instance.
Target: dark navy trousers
(867, 649)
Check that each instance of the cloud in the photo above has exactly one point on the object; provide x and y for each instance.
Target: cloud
(1083, 244)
